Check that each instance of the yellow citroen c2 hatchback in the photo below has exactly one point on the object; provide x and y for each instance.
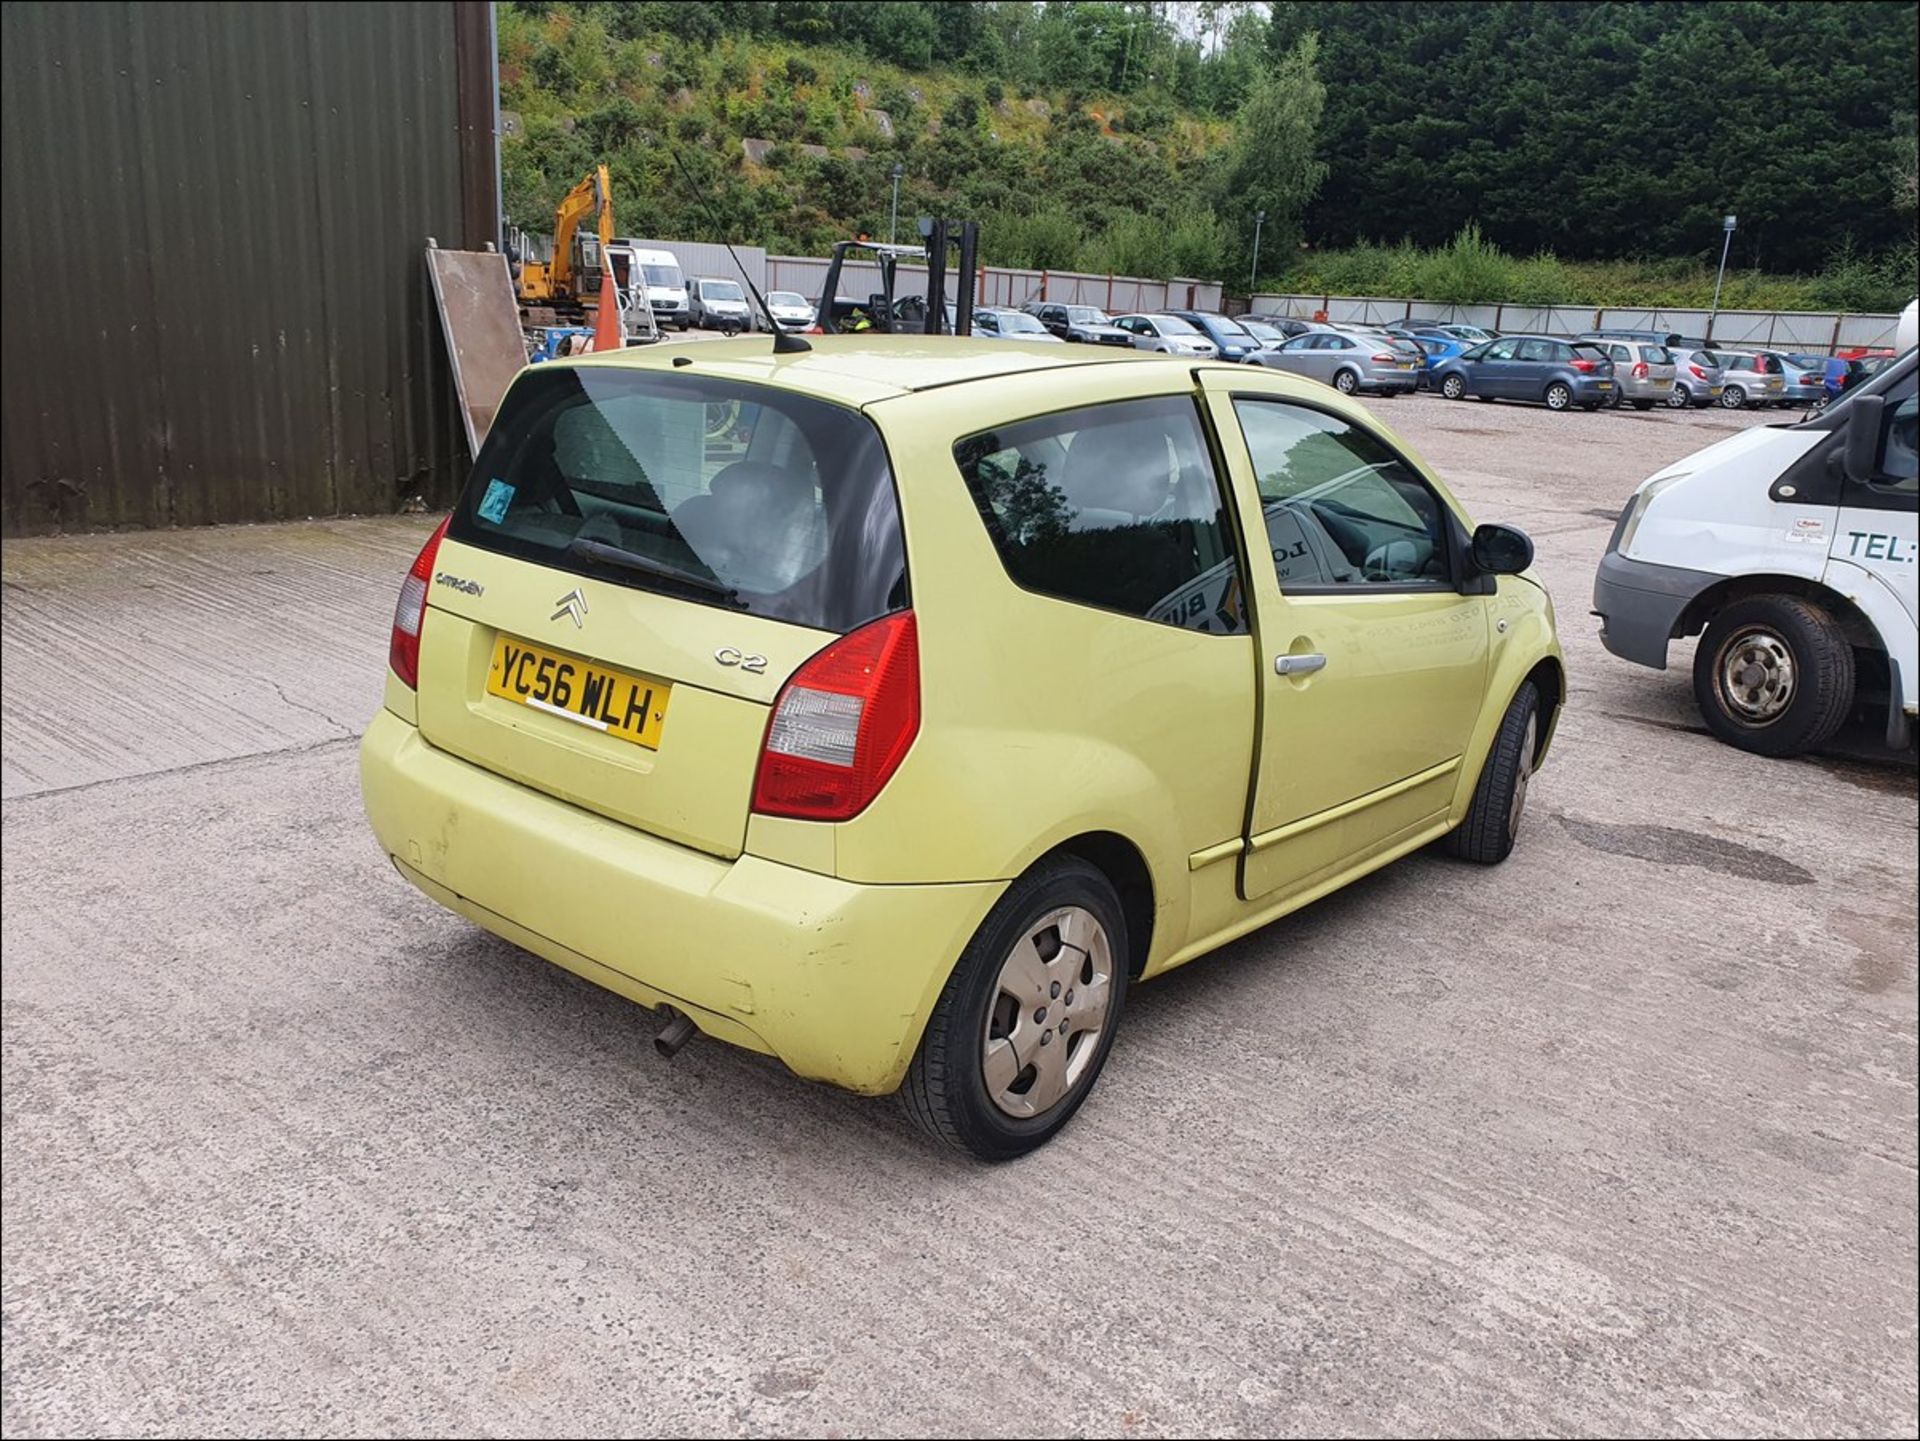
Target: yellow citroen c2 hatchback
(893, 707)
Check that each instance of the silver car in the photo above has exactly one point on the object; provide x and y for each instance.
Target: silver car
(1167, 334)
(1271, 337)
(1349, 361)
(1750, 379)
(1643, 371)
(1698, 378)
(993, 323)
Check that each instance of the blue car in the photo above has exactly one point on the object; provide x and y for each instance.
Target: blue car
(1436, 351)
(1230, 338)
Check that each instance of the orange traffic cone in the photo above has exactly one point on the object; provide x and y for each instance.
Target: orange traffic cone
(606, 321)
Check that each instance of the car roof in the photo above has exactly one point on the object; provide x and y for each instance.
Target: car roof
(861, 369)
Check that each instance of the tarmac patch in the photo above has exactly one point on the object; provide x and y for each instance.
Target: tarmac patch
(1666, 845)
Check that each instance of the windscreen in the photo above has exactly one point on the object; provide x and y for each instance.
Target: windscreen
(1086, 315)
(1018, 322)
(1173, 325)
(720, 290)
(734, 495)
(1226, 326)
(787, 298)
(667, 277)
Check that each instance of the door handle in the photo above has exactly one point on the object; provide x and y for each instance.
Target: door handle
(1299, 664)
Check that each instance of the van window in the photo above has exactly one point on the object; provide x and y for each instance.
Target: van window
(734, 495)
(1114, 506)
(1900, 448)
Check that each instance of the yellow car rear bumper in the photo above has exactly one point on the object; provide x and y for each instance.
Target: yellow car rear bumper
(833, 978)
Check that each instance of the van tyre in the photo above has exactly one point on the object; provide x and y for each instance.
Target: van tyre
(1774, 675)
(1559, 395)
(1492, 821)
(1346, 382)
(1454, 387)
(1025, 1022)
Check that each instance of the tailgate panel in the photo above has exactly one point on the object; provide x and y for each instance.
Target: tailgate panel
(696, 788)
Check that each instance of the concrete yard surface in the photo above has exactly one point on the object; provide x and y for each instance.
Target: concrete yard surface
(1616, 1138)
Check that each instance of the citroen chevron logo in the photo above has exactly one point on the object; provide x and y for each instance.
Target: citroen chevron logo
(573, 605)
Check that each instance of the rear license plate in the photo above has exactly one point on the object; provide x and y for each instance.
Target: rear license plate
(631, 707)
(1714, 390)
(1606, 385)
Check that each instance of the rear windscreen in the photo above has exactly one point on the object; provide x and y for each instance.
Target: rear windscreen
(1588, 351)
(1657, 355)
(728, 494)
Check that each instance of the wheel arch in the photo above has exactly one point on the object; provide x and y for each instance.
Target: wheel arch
(1121, 862)
(1549, 680)
(1700, 611)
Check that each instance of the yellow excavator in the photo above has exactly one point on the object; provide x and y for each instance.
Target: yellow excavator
(566, 288)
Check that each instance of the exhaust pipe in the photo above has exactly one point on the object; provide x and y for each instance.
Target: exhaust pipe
(678, 1031)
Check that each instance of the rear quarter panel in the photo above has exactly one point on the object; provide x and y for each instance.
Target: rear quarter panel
(1043, 719)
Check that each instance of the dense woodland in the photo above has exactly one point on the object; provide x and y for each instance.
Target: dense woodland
(1531, 150)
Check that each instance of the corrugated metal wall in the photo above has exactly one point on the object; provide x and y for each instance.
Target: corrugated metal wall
(214, 219)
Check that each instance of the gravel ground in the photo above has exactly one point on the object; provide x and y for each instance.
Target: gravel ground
(1617, 1138)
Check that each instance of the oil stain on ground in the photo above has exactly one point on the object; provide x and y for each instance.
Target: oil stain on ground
(1666, 845)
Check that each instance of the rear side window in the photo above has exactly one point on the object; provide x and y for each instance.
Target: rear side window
(1115, 506)
(1538, 350)
(738, 496)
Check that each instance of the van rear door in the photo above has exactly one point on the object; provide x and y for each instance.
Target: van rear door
(639, 561)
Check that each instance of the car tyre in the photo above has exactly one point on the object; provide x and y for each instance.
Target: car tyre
(1614, 397)
(1774, 675)
(1454, 387)
(1678, 399)
(1734, 397)
(1002, 988)
(1346, 382)
(1559, 395)
(1486, 834)
(1643, 405)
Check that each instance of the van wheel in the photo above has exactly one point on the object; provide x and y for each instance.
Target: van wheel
(1678, 399)
(1774, 675)
(1733, 397)
(1346, 382)
(1454, 387)
(1021, 1030)
(1559, 395)
(1492, 821)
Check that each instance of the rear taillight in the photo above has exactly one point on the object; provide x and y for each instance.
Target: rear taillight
(1640, 370)
(1698, 373)
(842, 724)
(403, 650)
(1385, 357)
(1586, 367)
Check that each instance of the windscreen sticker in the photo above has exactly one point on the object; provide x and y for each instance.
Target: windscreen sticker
(493, 505)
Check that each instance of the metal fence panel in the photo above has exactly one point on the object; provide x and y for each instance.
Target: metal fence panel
(1773, 330)
(213, 252)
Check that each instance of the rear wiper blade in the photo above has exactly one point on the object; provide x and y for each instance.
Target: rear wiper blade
(646, 565)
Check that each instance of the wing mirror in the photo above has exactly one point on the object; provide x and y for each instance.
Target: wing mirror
(1501, 549)
(1862, 452)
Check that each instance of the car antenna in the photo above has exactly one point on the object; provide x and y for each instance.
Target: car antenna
(784, 342)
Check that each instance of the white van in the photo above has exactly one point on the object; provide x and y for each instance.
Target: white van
(666, 286)
(1792, 547)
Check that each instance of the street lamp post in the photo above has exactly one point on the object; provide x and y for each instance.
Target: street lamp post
(893, 216)
(1726, 243)
(1253, 271)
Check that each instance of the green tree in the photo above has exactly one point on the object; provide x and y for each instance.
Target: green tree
(1274, 165)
